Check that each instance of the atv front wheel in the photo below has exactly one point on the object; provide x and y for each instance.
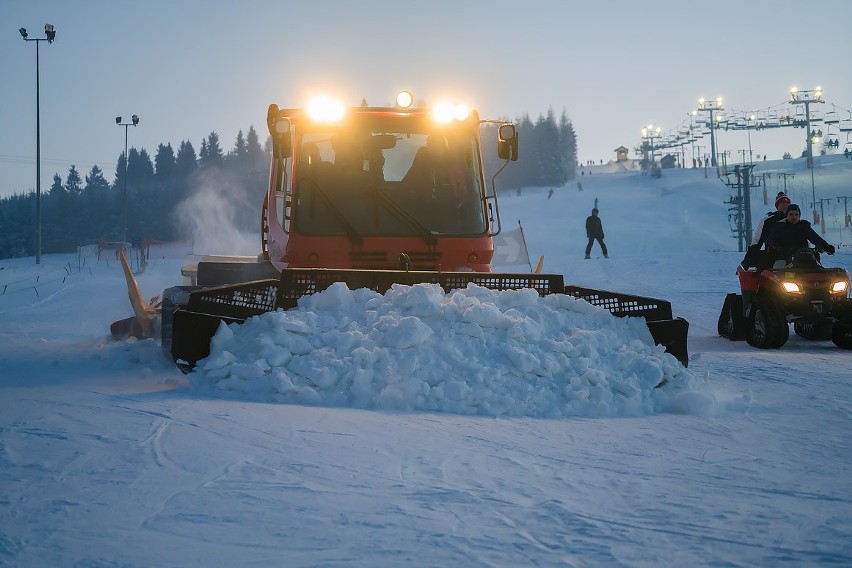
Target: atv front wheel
(817, 330)
(767, 328)
(732, 324)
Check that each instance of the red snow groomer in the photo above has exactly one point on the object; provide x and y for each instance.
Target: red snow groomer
(373, 196)
(797, 289)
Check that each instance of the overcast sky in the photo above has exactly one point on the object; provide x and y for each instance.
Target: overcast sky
(190, 67)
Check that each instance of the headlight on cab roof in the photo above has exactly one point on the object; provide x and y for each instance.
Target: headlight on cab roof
(445, 112)
(323, 108)
(791, 287)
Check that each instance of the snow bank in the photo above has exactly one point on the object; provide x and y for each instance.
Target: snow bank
(473, 351)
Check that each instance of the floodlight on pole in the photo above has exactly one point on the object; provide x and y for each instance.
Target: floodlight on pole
(711, 107)
(50, 35)
(134, 121)
(649, 133)
(806, 98)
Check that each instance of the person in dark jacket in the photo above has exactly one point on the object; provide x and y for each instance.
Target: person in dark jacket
(761, 233)
(594, 231)
(794, 233)
(754, 256)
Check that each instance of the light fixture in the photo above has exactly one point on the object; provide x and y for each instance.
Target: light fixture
(404, 99)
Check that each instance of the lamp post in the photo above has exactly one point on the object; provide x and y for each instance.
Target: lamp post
(711, 107)
(750, 118)
(50, 35)
(134, 121)
(691, 116)
(649, 133)
(806, 98)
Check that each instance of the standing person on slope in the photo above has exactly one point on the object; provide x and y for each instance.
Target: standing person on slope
(594, 231)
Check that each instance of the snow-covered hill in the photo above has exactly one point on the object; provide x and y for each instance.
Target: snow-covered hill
(471, 429)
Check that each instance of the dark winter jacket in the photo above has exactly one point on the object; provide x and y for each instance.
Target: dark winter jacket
(767, 224)
(594, 228)
(794, 236)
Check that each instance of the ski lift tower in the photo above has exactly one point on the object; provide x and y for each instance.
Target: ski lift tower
(648, 134)
(806, 98)
(711, 107)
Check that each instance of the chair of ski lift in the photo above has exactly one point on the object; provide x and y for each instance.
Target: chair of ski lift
(831, 117)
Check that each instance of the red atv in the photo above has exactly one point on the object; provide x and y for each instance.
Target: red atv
(796, 289)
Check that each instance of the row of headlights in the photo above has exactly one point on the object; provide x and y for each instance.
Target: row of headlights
(839, 287)
(323, 108)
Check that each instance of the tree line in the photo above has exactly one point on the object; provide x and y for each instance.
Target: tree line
(87, 209)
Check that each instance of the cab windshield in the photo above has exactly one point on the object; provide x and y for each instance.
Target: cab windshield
(368, 181)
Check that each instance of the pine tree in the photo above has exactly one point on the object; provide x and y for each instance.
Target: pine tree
(240, 152)
(56, 189)
(254, 152)
(164, 162)
(186, 161)
(120, 166)
(73, 183)
(568, 146)
(211, 155)
(549, 155)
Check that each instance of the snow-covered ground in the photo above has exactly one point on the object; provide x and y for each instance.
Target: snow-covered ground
(428, 429)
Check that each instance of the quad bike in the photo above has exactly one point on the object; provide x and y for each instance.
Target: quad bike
(797, 289)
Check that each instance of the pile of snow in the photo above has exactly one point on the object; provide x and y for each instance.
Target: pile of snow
(474, 351)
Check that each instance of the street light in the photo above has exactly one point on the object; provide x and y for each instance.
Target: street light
(806, 98)
(134, 121)
(750, 118)
(649, 133)
(691, 116)
(711, 107)
(50, 35)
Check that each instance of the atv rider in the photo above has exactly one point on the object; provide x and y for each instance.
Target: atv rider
(753, 256)
(794, 233)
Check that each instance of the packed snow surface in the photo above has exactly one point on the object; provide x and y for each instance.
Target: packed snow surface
(420, 428)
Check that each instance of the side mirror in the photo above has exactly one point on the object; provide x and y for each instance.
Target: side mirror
(383, 141)
(507, 142)
(282, 145)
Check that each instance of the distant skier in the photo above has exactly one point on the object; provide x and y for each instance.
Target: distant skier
(594, 231)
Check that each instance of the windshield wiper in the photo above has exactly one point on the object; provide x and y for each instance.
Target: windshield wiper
(395, 208)
(341, 219)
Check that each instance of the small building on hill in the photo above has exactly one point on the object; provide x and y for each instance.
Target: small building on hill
(621, 154)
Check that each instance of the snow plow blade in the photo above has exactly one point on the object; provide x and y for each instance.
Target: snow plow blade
(192, 314)
(667, 331)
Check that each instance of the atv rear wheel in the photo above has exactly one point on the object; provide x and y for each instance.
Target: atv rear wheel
(767, 328)
(841, 335)
(732, 323)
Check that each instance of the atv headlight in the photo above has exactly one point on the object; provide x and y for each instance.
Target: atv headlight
(791, 287)
(839, 287)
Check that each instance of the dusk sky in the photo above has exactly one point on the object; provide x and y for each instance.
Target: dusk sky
(191, 67)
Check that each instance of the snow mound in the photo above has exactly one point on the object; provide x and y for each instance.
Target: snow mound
(474, 351)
